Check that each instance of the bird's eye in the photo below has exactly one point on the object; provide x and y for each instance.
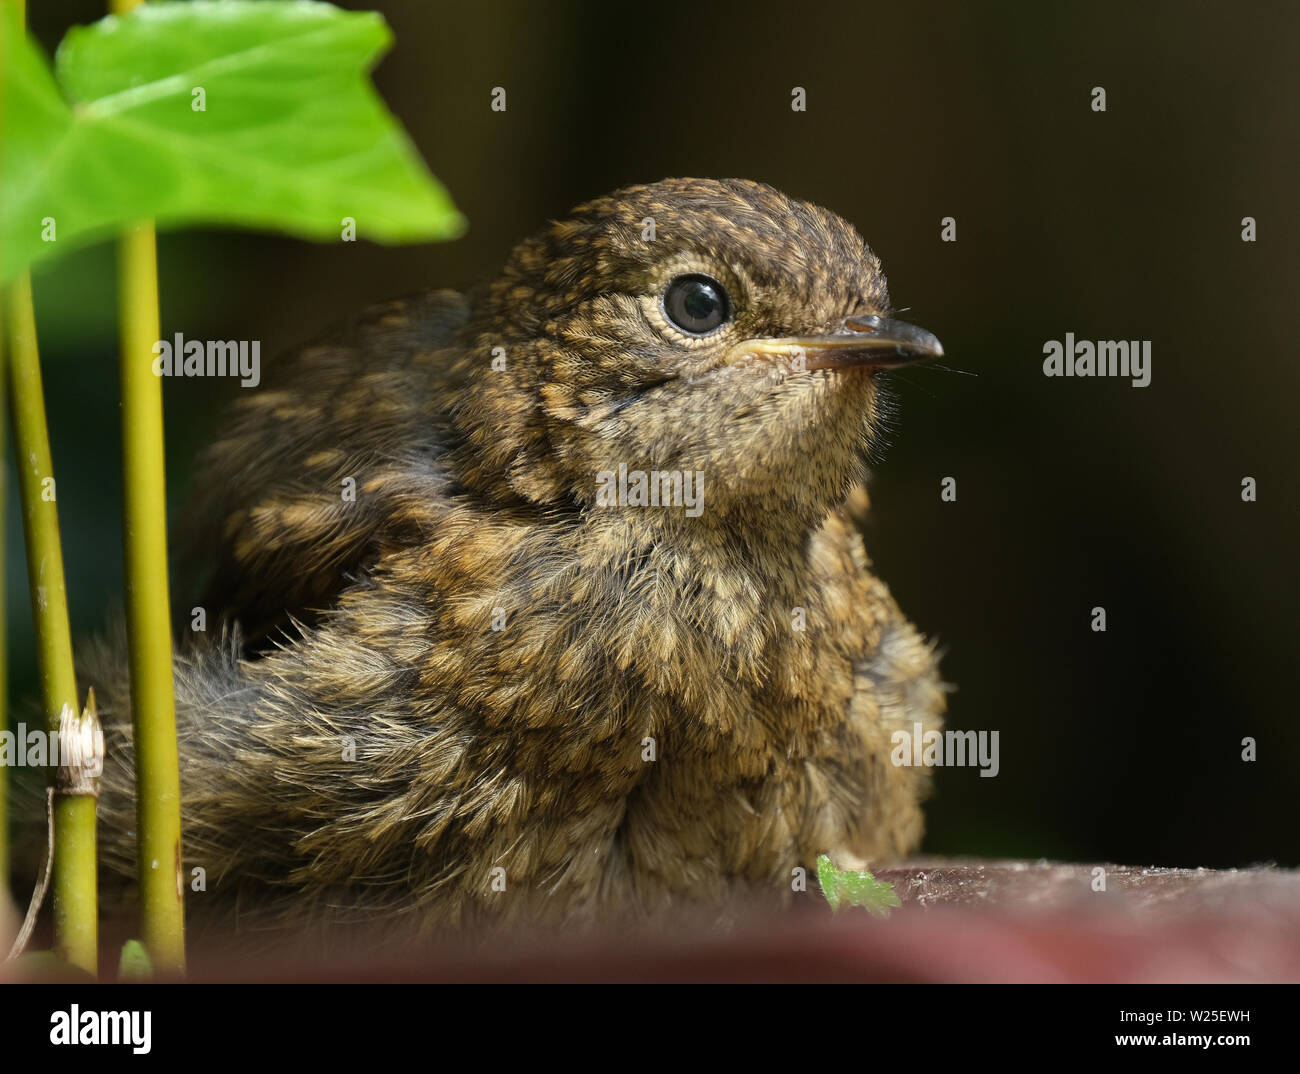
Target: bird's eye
(697, 304)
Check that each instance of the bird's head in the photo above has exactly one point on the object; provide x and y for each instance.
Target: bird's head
(690, 326)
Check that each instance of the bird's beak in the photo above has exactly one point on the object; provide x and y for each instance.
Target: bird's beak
(863, 341)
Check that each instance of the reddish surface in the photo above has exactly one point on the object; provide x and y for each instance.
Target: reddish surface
(961, 921)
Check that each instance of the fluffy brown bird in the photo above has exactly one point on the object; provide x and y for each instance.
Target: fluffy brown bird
(478, 680)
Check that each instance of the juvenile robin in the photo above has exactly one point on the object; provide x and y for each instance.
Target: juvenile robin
(543, 601)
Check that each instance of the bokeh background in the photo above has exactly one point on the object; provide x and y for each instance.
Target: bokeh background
(1122, 746)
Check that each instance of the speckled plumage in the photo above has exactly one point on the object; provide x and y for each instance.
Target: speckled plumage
(371, 622)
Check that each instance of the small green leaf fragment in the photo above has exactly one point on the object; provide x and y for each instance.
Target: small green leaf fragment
(134, 964)
(845, 887)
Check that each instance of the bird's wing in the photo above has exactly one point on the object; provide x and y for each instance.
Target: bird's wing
(300, 491)
(896, 687)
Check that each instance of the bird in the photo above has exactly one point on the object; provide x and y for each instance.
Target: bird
(471, 673)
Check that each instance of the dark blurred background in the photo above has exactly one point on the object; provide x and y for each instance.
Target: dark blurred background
(1072, 493)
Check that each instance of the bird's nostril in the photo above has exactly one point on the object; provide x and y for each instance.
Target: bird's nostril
(863, 323)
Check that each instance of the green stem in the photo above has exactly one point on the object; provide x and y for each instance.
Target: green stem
(4, 614)
(158, 798)
(20, 6)
(153, 706)
(74, 882)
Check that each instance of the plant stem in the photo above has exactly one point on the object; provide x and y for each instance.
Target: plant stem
(20, 6)
(158, 812)
(153, 706)
(75, 924)
(4, 611)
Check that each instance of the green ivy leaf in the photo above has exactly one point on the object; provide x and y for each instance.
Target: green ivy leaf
(849, 888)
(292, 138)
